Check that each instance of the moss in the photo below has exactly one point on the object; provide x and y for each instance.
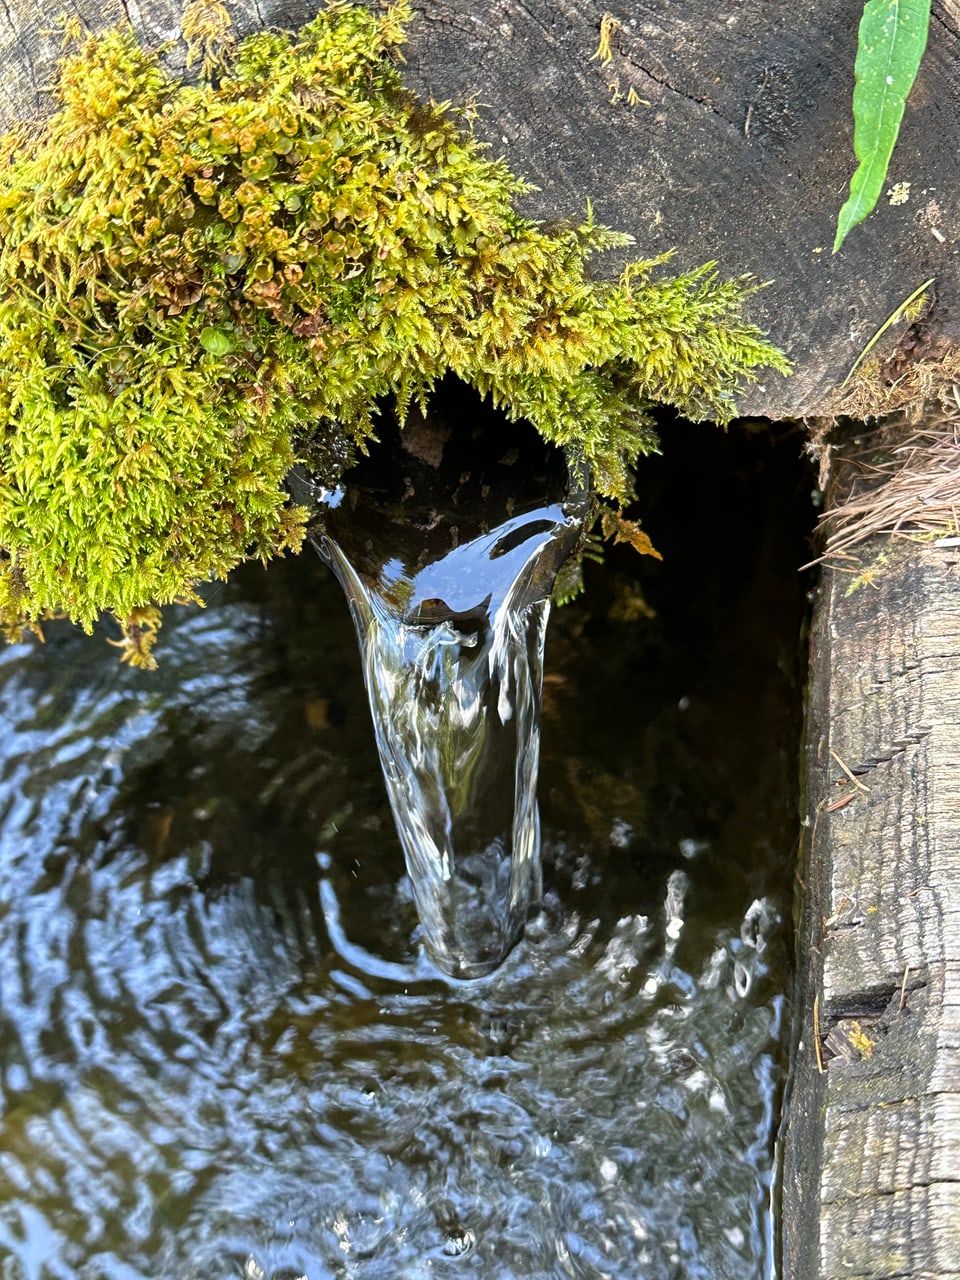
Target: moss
(201, 282)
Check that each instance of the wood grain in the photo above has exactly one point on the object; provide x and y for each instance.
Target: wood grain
(871, 1146)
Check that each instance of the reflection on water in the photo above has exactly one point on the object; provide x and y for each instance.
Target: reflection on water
(222, 1052)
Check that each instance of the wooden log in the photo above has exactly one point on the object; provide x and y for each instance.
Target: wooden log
(871, 1138)
(721, 131)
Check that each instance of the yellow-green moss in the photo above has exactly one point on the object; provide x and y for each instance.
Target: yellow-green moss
(199, 282)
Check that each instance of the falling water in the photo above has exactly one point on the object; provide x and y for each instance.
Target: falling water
(451, 618)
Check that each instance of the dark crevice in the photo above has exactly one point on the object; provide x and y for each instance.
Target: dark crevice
(941, 21)
(853, 1028)
(898, 748)
(884, 1193)
(862, 1004)
(697, 100)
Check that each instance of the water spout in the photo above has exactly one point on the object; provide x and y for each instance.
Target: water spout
(451, 618)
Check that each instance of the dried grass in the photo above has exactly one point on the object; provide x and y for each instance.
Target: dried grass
(903, 477)
(901, 384)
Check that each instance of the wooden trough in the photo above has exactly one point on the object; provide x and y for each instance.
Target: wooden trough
(724, 132)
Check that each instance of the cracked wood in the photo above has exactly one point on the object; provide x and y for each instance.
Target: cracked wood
(871, 1136)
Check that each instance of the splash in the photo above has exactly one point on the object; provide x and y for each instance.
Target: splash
(451, 624)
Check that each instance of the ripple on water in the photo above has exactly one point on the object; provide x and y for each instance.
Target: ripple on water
(200, 1078)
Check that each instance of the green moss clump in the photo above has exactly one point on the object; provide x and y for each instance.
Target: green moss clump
(198, 280)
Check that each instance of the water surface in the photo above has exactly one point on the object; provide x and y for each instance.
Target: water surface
(222, 1051)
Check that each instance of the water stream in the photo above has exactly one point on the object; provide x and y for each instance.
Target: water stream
(450, 600)
(222, 1051)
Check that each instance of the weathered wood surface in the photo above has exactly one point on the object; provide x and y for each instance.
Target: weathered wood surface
(871, 1142)
(738, 149)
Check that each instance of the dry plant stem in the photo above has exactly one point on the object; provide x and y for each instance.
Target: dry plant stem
(929, 374)
(848, 771)
(914, 488)
(816, 1033)
(891, 319)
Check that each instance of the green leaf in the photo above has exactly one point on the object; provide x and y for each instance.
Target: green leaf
(217, 341)
(893, 35)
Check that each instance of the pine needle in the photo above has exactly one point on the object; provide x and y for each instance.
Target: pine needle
(914, 488)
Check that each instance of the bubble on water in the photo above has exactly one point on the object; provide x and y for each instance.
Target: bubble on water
(735, 1236)
(579, 946)
(713, 969)
(690, 848)
(676, 892)
(581, 872)
(742, 978)
(756, 924)
(621, 833)
(673, 906)
(759, 920)
(538, 927)
(696, 1081)
(609, 1170)
(459, 1242)
(341, 1229)
(570, 927)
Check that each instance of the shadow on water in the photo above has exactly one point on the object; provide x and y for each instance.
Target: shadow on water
(221, 1052)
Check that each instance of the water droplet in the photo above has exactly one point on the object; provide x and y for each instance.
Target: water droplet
(459, 1242)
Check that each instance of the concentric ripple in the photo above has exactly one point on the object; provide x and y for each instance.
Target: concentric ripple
(223, 1054)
